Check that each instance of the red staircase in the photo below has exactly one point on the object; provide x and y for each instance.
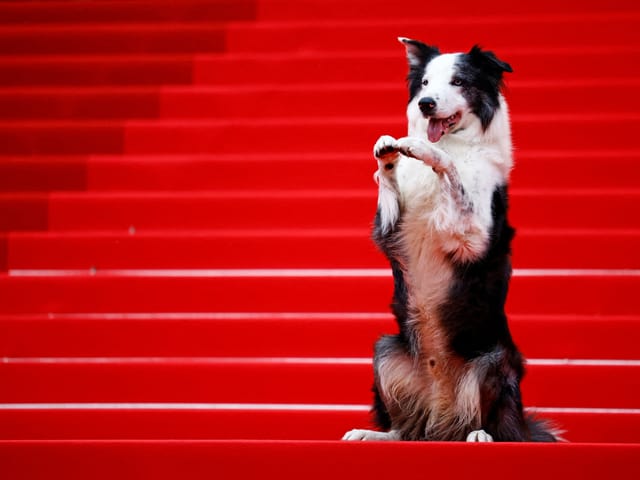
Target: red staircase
(188, 289)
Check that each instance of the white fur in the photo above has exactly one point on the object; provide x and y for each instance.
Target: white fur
(370, 435)
(468, 397)
(479, 436)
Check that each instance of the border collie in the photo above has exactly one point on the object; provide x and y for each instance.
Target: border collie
(453, 371)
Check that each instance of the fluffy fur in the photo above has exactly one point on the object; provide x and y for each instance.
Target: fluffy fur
(453, 371)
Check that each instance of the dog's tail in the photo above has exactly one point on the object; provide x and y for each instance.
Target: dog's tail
(541, 430)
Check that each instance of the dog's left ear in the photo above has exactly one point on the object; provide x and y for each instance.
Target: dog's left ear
(490, 70)
(487, 61)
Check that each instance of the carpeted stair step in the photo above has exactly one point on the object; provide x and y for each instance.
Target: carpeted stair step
(289, 248)
(256, 422)
(140, 212)
(548, 383)
(167, 459)
(304, 335)
(539, 292)
(500, 32)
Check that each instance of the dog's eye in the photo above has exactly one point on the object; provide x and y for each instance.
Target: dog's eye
(457, 82)
(425, 82)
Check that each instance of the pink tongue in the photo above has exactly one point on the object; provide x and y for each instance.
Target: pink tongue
(436, 129)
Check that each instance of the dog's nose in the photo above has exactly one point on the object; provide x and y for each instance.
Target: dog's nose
(427, 105)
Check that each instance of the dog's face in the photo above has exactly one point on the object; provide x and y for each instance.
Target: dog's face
(447, 93)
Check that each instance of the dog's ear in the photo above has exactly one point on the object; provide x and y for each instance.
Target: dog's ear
(418, 53)
(488, 74)
(488, 61)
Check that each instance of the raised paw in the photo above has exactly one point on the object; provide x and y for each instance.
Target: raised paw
(413, 147)
(423, 151)
(479, 436)
(385, 147)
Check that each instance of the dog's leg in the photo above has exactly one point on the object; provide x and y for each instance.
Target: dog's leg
(385, 222)
(400, 392)
(387, 217)
(388, 204)
(382, 417)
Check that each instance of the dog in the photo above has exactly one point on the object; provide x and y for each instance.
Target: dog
(453, 371)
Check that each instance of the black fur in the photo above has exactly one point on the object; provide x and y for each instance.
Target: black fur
(481, 72)
(474, 316)
(386, 243)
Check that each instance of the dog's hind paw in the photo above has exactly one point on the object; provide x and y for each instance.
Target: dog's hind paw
(479, 436)
(369, 435)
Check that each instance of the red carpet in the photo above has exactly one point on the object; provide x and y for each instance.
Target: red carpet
(187, 285)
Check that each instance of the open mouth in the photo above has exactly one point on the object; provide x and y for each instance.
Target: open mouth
(440, 126)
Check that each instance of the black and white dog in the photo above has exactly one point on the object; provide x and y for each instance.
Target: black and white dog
(453, 372)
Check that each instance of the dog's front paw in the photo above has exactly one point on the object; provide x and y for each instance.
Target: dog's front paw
(479, 436)
(385, 147)
(369, 435)
(423, 151)
(411, 147)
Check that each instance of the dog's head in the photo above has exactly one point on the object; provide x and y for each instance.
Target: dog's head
(449, 92)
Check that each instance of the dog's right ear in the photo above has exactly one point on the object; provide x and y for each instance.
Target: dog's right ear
(418, 53)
